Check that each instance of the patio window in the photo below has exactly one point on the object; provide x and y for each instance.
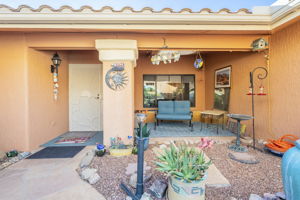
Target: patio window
(168, 87)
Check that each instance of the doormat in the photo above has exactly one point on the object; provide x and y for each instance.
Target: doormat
(72, 140)
(56, 152)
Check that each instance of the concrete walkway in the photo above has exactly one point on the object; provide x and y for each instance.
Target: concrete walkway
(46, 179)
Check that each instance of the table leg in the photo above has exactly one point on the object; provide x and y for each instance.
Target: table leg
(223, 121)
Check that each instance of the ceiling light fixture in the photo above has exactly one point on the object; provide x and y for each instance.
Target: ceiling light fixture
(165, 56)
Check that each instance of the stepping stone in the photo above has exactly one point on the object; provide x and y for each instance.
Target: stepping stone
(255, 197)
(245, 158)
(87, 159)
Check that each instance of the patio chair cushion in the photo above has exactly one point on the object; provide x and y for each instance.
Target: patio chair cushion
(165, 107)
(182, 107)
(174, 117)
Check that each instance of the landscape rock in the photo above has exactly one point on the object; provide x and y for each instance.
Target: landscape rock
(232, 198)
(3, 156)
(132, 168)
(14, 159)
(94, 178)
(4, 165)
(87, 173)
(162, 146)
(255, 197)
(146, 196)
(87, 159)
(158, 188)
(268, 196)
(243, 157)
(133, 179)
(23, 155)
(280, 195)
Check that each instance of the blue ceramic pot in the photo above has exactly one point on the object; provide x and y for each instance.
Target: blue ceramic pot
(146, 142)
(291, 172)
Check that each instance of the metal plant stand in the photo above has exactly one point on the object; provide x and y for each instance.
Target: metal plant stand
(237, 146)
(140, 164)
(260, 76)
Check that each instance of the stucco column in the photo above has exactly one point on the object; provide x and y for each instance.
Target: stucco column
(118, 105)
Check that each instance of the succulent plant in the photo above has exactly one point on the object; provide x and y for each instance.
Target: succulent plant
(145, 131)
(183, 162)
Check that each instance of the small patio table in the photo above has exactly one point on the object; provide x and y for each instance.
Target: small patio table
(213, 114)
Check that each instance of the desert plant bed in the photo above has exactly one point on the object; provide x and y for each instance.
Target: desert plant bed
(245, 179)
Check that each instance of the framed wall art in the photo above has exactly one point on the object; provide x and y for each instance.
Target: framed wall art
(222, 77)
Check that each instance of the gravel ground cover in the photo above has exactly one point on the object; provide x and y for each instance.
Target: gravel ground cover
(264, 177)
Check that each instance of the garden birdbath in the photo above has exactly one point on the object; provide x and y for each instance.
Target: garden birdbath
(237, 146)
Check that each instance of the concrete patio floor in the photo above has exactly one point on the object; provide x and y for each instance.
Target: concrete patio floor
(46, 179)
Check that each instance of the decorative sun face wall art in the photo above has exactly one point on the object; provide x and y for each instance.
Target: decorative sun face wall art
(116, 78)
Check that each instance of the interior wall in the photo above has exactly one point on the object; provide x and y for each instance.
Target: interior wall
(240, 103)
(184, 66)
(285, 81)
(13, 131)
(47, 118)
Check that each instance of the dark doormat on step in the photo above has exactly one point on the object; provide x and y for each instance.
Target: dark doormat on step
(57, 152)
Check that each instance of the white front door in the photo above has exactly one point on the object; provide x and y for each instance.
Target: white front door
(85, 97)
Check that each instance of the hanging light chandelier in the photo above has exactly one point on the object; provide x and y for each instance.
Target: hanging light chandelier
(165, 56)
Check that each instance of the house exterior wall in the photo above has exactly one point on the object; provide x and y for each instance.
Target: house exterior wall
(184, 66)
(30, 117)
(13, 103)
(285, 81)
(240, 103)
(47, 118)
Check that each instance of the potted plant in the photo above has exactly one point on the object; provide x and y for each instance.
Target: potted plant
(145, 133)
(100, 150)
(186, 167)
(118, 148)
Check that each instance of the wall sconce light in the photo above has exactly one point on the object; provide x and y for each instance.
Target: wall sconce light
(56, 60)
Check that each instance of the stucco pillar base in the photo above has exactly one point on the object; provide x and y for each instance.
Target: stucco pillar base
(118, 106)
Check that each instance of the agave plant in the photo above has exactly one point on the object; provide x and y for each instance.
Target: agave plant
(183, 162)
(145, 131)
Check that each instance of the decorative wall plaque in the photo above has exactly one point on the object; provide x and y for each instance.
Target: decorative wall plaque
(116, 78)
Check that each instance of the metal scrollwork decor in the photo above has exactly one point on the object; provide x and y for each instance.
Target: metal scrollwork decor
(116, 78)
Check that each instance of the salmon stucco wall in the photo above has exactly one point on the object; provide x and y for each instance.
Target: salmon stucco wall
(242, 63)
(184, 66)
(13, 108)
(47, 118)
(285, 80)
(83, 57)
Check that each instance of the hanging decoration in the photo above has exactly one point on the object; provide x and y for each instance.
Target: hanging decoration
(165, 56)
(261, 90)
(56, 60)
(55, 86)
(116, 78)
(198, 64)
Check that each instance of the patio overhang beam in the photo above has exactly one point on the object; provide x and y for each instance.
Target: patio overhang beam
(197, 49)
(147, 41)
